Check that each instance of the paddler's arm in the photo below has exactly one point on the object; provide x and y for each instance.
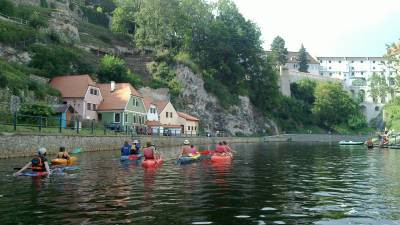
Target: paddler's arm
(46, 164)
(23, 169)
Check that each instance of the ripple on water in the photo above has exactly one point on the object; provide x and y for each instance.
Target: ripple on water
(268, 209)
(242, 216)
(202, 223)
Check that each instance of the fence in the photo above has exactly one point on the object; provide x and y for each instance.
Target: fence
(59, 125)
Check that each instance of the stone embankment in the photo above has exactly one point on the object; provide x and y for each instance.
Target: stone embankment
(26, 145)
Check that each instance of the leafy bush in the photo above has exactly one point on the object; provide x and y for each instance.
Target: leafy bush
(37, 109)
(185, 59)
(392, 114)
(13, 33)
(44, 4)
(95, 17)
(7, 7)
(113, 68)
(59, 60)
(222, 92)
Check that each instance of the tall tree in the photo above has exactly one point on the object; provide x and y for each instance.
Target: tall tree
(279, 50)
(379, 88)
(303, 59)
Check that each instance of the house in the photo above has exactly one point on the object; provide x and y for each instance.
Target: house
(122, 107)
(169, 118)
(67, 113)
(153, 118)
(293, 63)
(190, 124)
(81, 92)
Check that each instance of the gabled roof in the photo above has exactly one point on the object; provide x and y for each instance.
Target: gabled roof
(148, 101)
(187, 116)
(294, 56)
(161, 105)
(117, 99)
(72, 86)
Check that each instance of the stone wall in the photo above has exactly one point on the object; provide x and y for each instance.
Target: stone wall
(26, 145)
(313, 138)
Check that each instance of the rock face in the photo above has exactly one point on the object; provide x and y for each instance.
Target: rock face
(14, 55)
(242, 118)
(65, 26)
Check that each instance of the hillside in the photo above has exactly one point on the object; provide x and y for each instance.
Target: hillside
(44, 38)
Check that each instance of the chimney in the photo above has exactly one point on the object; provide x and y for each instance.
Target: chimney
(112, 86)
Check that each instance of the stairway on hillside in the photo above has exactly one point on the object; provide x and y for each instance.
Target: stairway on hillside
(137, 64)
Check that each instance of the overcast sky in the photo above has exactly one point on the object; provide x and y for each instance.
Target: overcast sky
(327, 27)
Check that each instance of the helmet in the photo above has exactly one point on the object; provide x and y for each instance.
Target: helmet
(135, 141)
(41, 151)
(186, 142)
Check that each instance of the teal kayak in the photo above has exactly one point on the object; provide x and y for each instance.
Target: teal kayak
(351, 143)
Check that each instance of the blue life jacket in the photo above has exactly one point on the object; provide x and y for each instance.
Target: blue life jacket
(137, 148)
(126, 150)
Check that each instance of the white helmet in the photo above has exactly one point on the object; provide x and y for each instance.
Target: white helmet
(186, 142)
(42, 151)
(135, 141)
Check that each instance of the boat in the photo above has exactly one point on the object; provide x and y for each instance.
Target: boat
(394, 146)
(189, 159)
(71, 161)
(151, 163)
(131, 157)
(221, 157)
(351, 143)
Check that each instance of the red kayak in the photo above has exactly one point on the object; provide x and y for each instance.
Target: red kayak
(221, 157)
(151, 163)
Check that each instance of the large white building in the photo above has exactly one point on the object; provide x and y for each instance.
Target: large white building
(355, 72)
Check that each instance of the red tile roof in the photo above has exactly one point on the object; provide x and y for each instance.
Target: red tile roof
(187, 116)
(161, 105)
(171, 126)
(153, 123)
(147, 102)
(72, 86)
(117, 99)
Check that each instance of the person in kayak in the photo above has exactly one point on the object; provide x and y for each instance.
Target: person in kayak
(220, 148)
(150, 152)
(62, 154)
(135, 147)
(193, 150)
(228, 149)
(126, 149)
(186, 149)
(37, 164)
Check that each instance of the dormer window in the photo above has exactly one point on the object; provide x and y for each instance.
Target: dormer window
(94, 91)
(135, 102)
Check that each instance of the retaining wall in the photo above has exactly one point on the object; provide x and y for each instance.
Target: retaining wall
(26, 145)
(313, 138)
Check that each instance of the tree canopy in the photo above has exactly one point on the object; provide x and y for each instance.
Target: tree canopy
(303, 60)
(279, 50)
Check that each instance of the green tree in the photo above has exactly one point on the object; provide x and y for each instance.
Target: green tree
(333, 105)
(379, 88)
(279, 50)
(113, 68)
(303, 59)
(304, 91)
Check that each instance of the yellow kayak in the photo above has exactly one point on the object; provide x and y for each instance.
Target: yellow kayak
(71, 161)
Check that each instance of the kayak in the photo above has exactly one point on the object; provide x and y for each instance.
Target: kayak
(189, 159)
(131, 157)
(351, 143)
(34, 174)
(221, 157)
(152, 163)
(71, 161)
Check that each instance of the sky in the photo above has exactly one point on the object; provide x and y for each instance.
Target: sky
(327, 27)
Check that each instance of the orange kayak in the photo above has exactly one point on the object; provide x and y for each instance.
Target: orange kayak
(71, 161)
(151, 163)
(221, 157)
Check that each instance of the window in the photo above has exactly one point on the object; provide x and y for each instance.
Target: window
(362, 61)
(134, 119)
(188, 127)
(362, 73)
(373, 61)
(340, 61)
(170, 114)
(352, 73)
(330, 67)
(352, 67)
(382, 62)
(94, 107)
(153, 110)
(135, 102)
(330, 61)
(166, 114)
(195, 128)
(376, 108)
(89, 106)
(373, 67)
(352, 61)
(117, 117)
(91, 91)
(126, 117)
(330, 74)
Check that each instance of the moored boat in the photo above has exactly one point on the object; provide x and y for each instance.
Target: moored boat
(351, 143)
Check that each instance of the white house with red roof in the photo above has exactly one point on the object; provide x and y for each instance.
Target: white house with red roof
(81, 92)
(153, 117)
(169, 118)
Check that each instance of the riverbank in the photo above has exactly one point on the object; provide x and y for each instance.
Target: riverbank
(314, 138)
(20, 145)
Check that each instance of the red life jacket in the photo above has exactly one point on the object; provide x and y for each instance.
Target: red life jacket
(220, 149)
(148, 153)
(38, 164)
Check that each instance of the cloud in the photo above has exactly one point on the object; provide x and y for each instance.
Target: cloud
(321, 25)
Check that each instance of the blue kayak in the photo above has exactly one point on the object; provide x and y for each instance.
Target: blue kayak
(33, 174)
(131, 157)
(189, 159)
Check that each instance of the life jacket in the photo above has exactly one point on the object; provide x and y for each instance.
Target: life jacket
(193, 150)
(227, 148)
(62, 155)
(38, 164)
(220, 149)
(186, 150)
(126, 150)
(148, 153)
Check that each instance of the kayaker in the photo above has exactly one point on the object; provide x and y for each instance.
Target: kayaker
(227, 147)
(220, 148)
(150, 151)
(62, 154)
(135, 147)
(370, 144)
(38, 164)
(126, 149)
(186, 149)
(193, 150)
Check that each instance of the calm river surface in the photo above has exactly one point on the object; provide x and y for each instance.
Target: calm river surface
(265, 184)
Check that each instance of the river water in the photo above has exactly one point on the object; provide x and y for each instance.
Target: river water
(265, 184)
